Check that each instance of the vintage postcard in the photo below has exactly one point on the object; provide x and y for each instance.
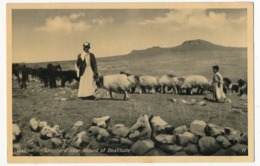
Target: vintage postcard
(130, 82)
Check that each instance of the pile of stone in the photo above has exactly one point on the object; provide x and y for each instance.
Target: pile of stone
(148, 136)
(193, 101)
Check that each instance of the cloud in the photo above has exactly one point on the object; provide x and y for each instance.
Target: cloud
(194, 18)
(72, 22)
(65, 23)
(103, 21)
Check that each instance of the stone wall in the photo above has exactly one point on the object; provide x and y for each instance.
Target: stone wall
(149, 136)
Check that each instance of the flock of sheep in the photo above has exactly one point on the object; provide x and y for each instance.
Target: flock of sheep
(128, 83)
(125, 83)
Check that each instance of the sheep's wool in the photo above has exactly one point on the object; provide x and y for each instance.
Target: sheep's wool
(116, 82)
(168, 81)
(148, 81)
(195, 81)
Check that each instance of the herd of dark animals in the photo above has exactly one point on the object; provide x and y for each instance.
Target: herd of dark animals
(49, 75)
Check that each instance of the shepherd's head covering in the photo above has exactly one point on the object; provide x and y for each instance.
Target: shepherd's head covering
(215, 67)
(86, 44)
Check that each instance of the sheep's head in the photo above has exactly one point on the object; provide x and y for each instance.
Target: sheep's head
(208, 87)
(99, 80)
(181, 80)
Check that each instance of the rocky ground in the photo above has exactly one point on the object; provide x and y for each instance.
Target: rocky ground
(114, 137)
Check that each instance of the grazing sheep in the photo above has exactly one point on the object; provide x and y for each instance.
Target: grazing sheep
(227, 85)
(168, 82)
(118, 83)
(195, 81)
(133, 78)
(148, 83)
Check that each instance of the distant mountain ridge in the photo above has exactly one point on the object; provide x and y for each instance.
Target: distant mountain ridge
(189, 45)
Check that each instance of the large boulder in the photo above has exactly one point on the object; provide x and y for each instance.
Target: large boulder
(198, 127)
(34, 124)
(80, 140)
(42, 124)
(56, 142)
(17, 133)
(244, 139)
(171, 149)
(239, 149)
(208, 145)
(114, 140)
(49, 132)
(143, 125)
(191, 149)
(94, 130)
(45, 143)
(101, 122)
(134, 135)
(78, 124)
(94, 144)
(180, 129)
(214, 130)
(74, 130)
(157, 123)
(102, 135)
(126, 141)
(233, 135)
(155, 152)
(165, 138)
(121, 131)
(141, 147)
(33, 146)
(222, 152)
(185, 138)
(167, 129)
(223, 141)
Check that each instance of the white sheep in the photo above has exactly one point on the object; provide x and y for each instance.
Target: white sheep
(118, 83)
(195, 81)
(148, 83)
(169, 82)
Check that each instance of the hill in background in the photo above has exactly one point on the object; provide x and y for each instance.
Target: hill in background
(191, 57)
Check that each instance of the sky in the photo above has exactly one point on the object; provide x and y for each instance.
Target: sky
(40, 35)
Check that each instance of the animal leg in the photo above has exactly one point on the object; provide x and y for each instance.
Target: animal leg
(126, 95)
(189, 91)
(110, 93)
(199, 90)
(161, 89)
(175, 89)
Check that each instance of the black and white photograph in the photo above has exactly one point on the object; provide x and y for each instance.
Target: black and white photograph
(130, 82)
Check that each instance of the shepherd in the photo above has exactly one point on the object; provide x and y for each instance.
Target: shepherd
(217, 85)
(86, 67)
